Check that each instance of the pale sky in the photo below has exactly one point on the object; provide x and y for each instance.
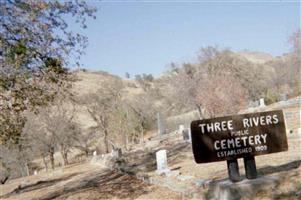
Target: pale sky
(145, 36)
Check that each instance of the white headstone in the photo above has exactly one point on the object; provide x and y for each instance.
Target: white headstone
(161, 159)
(35, 172)
(116, 153)
(94, 153)
(261, 102)
(181, 128)
(189, 132)
(299, 132)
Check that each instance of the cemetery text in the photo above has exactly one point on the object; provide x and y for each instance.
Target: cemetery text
(238, 136)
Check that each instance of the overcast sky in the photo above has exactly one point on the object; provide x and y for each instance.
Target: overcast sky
(144, 37)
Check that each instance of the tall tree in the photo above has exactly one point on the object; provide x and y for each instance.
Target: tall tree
(35, 46)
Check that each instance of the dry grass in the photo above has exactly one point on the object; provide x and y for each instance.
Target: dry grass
(83, 181)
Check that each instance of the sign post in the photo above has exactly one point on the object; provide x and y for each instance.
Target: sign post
(239, 136)
(250, 167)
(233, 170)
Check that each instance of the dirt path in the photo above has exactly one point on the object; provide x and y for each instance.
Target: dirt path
(84, 182)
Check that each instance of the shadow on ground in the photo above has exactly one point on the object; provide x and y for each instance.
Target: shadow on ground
(280, 168)
(287, 172)
(36, 186)
(103, 185)
(146, 161)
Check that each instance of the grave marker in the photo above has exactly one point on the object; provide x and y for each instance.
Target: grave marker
(161, 159)
(181, 128)
(261, 102)
(187, 135)
(161, 125)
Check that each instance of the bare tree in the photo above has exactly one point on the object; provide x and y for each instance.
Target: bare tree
(221, 95)
(286, 79)
(142, 115)
(86, 140)
(59, 124)
(180, 87)
(102, 105)
(42, 141)
(15, 160)
(51, 130)
(189, 84)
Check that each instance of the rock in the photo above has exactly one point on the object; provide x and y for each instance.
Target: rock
(162, 171)
(184, 178)
(172, 173)
(227, 190)
(203, 182)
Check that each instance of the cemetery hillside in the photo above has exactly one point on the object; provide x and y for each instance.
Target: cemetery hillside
(225, 124)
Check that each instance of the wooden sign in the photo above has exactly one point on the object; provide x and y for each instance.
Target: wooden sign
(238, 136)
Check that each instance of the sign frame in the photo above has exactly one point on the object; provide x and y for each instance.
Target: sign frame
(267, 131)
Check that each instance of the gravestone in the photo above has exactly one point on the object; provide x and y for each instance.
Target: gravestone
(94, 153)
(186, 135)
(261, 102)
(116, 153)
(181, 128)
(35, 172)
(161, 159)
(161, 125)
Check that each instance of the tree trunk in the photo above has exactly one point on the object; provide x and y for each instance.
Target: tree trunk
(4, 180)
(45, 163)
(51, 157)
(66, 162)
(87, 152)
(27, 169)
(126, 141)
(106, 141)
(199, 107)
(64, 155)
(142, 135)
(125, 138)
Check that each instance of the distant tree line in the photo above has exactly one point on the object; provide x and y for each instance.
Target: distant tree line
(223, 82)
